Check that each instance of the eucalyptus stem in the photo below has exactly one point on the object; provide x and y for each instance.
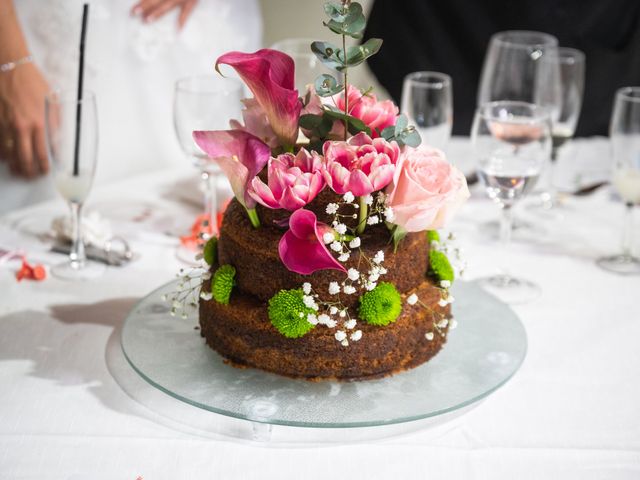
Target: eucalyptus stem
(345, 6)
(363, 212)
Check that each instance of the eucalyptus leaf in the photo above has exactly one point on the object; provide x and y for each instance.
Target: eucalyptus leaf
(401, 124)
(358, 54)
(388, 133)
(326, 85)
(335, 11)
(412, 138)
(328, 54)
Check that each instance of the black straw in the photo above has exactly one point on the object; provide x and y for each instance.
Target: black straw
(83, 34)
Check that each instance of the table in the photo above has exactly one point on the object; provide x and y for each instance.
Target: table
(571, 412)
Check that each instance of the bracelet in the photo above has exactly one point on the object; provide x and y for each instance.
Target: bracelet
(7, 67)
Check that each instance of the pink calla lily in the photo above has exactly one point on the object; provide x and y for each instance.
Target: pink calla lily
(294, 181)
(302, 249)
(269, 74)
(239, 154)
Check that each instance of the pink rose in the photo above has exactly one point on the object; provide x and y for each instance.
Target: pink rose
(293, 181)
(360, 165)
(426, 190)
(375, 114)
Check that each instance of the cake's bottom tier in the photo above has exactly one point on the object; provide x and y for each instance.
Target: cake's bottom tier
(242, 333)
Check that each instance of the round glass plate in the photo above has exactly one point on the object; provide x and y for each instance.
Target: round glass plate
(485, 350)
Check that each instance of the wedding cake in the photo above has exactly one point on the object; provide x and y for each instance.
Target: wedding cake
(328, 264)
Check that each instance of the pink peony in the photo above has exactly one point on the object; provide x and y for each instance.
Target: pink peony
(293, 181)
(426, 190)
(377, 115)
(302, 249)
(360, 165)
(256, 123)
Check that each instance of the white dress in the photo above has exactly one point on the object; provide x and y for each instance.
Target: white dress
(132, 67)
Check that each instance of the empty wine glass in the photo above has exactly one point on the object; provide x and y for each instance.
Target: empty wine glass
(514, 69)
(624, 133)
(307, 66)
(427, 100)
(72, 146)
(571, 64)
(205, 102)
(511, 143)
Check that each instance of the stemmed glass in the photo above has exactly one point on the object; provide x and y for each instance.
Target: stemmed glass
(571, 64)
(624, 133)
(307, 65)
(72, 145)
(511, 142)
(205, 103)
(427, 100)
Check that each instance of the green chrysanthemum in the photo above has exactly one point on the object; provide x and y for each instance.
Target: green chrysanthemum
(433, 236)
(222, 283)
(210, 252)
(440, 267)
(381, 306)
(288, 313)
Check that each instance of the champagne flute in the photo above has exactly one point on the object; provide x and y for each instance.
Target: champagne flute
(427, 100)
(511, 143)
(624, 133)
(205, 102)
(72, 146)
(571, 64)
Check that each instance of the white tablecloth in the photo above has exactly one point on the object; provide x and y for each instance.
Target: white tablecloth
(571, 412)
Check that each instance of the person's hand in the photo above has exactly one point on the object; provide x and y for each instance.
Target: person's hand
(22, 141)
(151, 10)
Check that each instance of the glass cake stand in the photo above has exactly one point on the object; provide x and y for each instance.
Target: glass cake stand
(482, 354)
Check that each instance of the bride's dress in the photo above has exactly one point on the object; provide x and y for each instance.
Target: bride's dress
(132, 67)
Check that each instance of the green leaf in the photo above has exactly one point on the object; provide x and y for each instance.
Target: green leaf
(326, 85)
(401, 124)
(358, 54)
(318, 125)
(411, 138)
(310, 121)
(355, 124)
(388, 133)
(335, 11)
(328, 54)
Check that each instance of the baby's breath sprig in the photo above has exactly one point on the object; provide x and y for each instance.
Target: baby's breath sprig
(188, 290)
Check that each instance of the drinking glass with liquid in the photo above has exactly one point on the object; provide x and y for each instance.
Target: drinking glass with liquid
(72, 145)
(624, 135)
(511, 143)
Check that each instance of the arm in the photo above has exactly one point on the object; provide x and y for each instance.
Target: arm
(151, 10)
(22, 92)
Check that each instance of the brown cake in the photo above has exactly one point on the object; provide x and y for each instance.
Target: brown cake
(328, 264)
(242, 332)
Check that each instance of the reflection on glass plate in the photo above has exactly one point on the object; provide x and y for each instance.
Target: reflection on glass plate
(485, 350)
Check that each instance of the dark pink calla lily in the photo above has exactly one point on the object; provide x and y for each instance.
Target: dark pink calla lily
(239, 154)
(269, 74)
(302, 249)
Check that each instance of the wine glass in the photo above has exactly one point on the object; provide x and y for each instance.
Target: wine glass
(71, 126)
(516, 67)
(205, 102)
(511, 143)
(427, 100)
(624, 132)
(571, 64)
(307, 66)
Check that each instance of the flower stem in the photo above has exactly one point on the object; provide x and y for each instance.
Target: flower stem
(253, 216)
(363, 212)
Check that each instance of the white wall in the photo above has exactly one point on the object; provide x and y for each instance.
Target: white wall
(303, 18)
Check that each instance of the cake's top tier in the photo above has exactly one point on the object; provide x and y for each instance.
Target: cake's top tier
(260, 271)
